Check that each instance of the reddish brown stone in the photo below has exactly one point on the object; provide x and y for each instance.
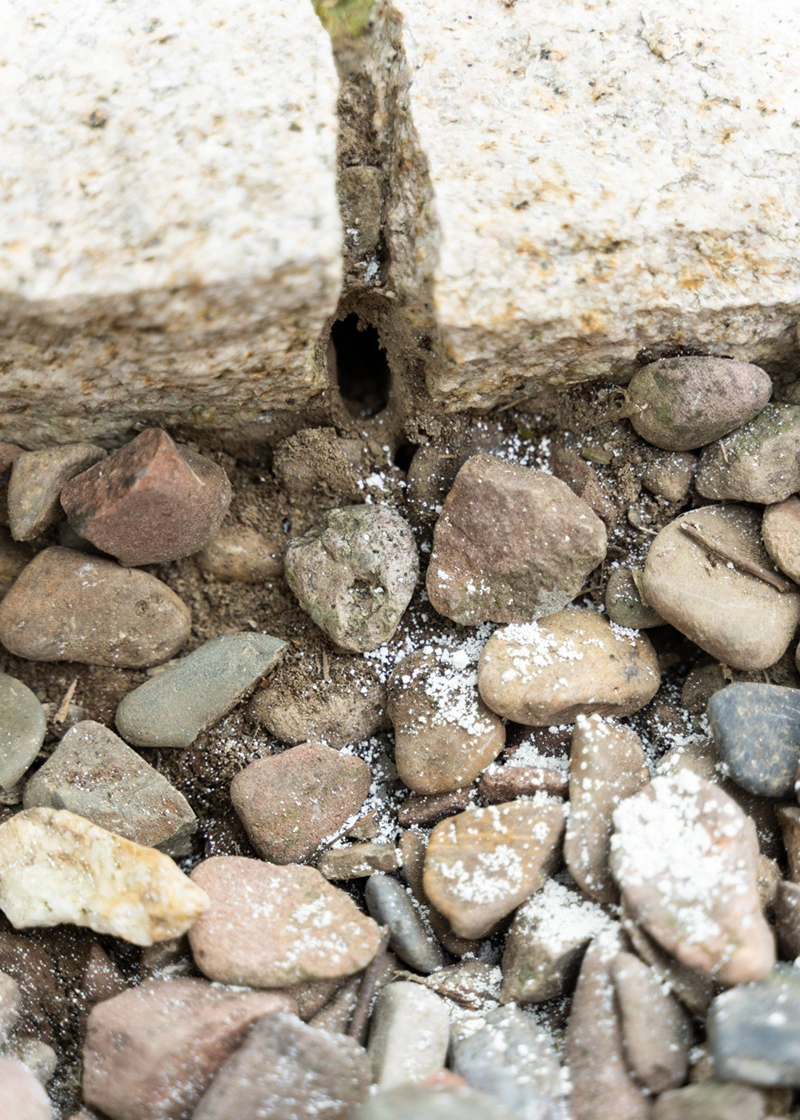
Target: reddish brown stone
(149, 502)
(428, 809)
(36, 483)
(507, 783)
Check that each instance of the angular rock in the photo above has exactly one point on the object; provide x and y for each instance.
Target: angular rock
(21, 1095)
(335, 1016)
(171, 709)
(22, 729)
(656, 1031)
(355, 573)
(623, 602)
(10, 1004)
(357, 861)
(787, 919)
(507, 783)
(425, 1103)
(511, 544)
(101, 978)
(291, 802)
(409, 1034)
(546, 673)
(681, 403)
(428, 809)
(668, 474)
(706, 591)
(686, 860)
(413, 848)
(36, 482)
(94, 774)
(8, 453)
(271, 927)
(480, 865)
(239, 554)
(757, 730)
(471, 984)
(390, 904)
(607, 765)
(149, 502)
(444, 733)
(67, 606)
(13, 558)
(780, 530)
(57, 867)
(152, 1050)
(710, 1101)
(546, 942)
(754, 1030)
(758, 463)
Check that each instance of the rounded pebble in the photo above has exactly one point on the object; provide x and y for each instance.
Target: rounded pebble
(22, 729)
(390, 904)
(757, 730)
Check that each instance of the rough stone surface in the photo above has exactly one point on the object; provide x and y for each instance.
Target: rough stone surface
(753, 1031)
(239, 554)
(151, 501)
(789, 820)
(759, 463)
(8, 453)
(67, 606)
(656, 1030)
(480, 865)
(507, 783)
(710, 1101)
(510, 545)
(424, 1103)
(285, 1070)
(94, 774)
(271, 927)
(58, 867)
(409, 1034)
(293, 801)
(151, 1051)
(390, 904)
(171, 709)
(780, 530)
(355, 573)
(413, 848)
(623, 602)
(22, 729)
(21, 1095)
(545, 673)
(787, 919)
(36, 481)
(357, 861)
(686, 859)
(444, 733)
(736, 616)
(757, 730)
(668, 474)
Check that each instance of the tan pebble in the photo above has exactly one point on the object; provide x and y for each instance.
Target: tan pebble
(780, 528)
(239, 554)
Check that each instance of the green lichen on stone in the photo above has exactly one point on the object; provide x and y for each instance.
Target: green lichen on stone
(344, 19)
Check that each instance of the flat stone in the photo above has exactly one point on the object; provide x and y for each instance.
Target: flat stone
(737, 617)
(546, 942)
(413, 848)
(507, 783)
(686, 860)
(409, 1034)
(757, 730)
(754, 1030)
(22, 729)
(682, 403)
(656, 1031)
(623, 602)
(390, 904)
(271, 927)
(21, 1095)
(510, 544)
(57, 867)
(67, 606)
(357, 861)
(239, 554)
(710, 1101)
(780, 530)
(607, 765)
(758, 463)
(152, 1050)
(787, 919)
(444, 733)
(431, 1104)
(428, 809)
(471, 984)
(10, 1005)
(546, 673)
(480, 865)
(668, 474)
(149, 502)
(354, 574)
(94, 774)
(291, 802)
(36, 482)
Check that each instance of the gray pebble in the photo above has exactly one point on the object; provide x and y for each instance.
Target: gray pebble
(759, 463)
(624, 603)
(22, 729)
(710, 1101)
(754, 1030)
(655, 1029)
(757, 729)
(409, 1101)
(389, 903)
(36, 482)
(409, 1034)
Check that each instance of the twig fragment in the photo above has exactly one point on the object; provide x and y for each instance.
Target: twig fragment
(732, 553)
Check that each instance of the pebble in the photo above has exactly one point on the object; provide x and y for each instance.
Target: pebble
(42, 1002)
(10, 1003)
(271, 927)
(668, 474)
(94, 774)
(754, 1030)
(757, 730)
(758, 463)
(510, 545)
(546, 942)
(290, 803)
(422, 1103)
(152, 1050)
(623, 602)
(445, 736)
(607, 765)
(685, 857)
(101, 978)
(789, 821)
(409, 1034)
(710, 1101)
(13, 558)
(37, 1056)
(413, 847)
(737, 617)
(787, 919)
(390, 904)
(507, 783)
(546, 673)
(8, 453)
(700, 685)
(22, 729)
(679, 404)
(21, 1095)
(58, 867)
(780, 530)
(67, 606)
(239, 554)
(428, 809)
(354, 574)
(285, 1070)
(357, 861)
(480, 865)
(657, 1032)
(149, 502)
(36, 482)
(171, 709)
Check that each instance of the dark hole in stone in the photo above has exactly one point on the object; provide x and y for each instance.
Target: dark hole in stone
(362, 370)
(403, 456)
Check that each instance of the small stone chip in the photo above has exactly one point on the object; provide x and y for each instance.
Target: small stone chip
(36, 483)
